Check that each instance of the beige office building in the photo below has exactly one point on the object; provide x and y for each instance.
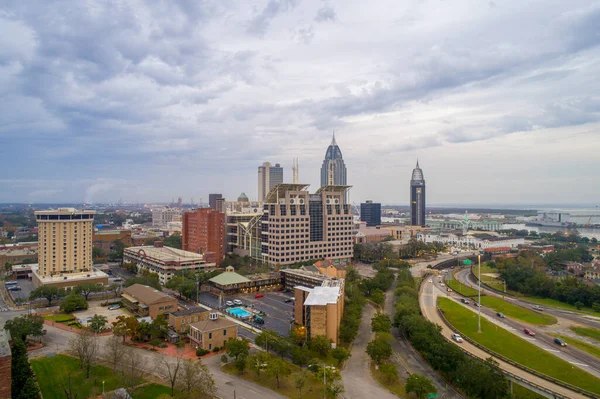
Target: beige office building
(64, 241)
(298, 226)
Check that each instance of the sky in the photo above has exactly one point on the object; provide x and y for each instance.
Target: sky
(148, 100)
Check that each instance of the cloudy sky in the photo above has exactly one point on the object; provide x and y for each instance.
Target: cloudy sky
(149, 100)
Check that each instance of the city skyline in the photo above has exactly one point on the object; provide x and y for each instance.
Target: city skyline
(489, 99)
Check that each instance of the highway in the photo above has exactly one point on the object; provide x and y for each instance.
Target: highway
(428, 304)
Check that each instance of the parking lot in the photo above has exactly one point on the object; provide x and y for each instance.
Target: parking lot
(26, 288)
(279, 314)
(95, 308)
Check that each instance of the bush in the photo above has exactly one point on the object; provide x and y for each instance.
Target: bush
(73, 302)
(224, 359)
(157, 342)
(201, 352)
(216, 349)
(180, 344)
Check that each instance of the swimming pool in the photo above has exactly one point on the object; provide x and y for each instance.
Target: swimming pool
(239, 312)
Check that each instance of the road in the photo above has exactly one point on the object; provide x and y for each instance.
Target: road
(465, 277)
(428, 304)
(356, 375)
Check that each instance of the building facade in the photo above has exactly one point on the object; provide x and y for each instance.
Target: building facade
(268, 177)
(5, 365)
(212, 200)
(320, 309)
(333, 170)
(298, 226)
(144, 301)
(64, 241)
(471, 240)
(163, 215)
(180, 320)
(105, 239)
(19, 253)
(370, 212)
(203, 232)
(417, 197)
(212, 333)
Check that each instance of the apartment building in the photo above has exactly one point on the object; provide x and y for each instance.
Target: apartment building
(299, 226)
(203, 232)
(213, 332)
(181, 320)
(143, 300)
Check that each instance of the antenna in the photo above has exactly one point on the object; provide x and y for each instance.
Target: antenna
(295, 171)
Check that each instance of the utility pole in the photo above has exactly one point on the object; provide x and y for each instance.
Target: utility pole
(479, 295)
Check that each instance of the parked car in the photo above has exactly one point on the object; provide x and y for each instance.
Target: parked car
(500, 314)
(14, 288)
(288, 300)
(259, 295)
(9, 283)
(457, 338)
(258, 319)
(229, 303)
(237, 302)
(560, 342)
(529, 332)
(114, 307)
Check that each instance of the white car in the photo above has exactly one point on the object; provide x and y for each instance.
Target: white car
(237, 302)
(229, 303)
(442, 284)
(114, 307)
(430, 280)
(457, 338)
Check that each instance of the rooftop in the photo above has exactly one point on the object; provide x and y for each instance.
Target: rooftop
(323, 296)
(188, 312)
(145, 294)
(280, 190)
(67, 276)
(209, 325)
(228, 278)
(166, 254)
(65, 211)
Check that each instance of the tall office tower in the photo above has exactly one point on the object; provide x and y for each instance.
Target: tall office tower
(203, 231)
(370, 212)
(417, 197)
(298, 226)
(268, 177)
(64, 241)
(333, 171)
(212, 200)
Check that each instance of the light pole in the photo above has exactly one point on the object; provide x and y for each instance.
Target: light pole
(479, 295)
(102, 388)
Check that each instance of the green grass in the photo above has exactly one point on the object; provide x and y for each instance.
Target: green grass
(513, 347)
(312, 389)
(395, 387)
(592, 349)
(60, 318)
(558, 304)
(587, 332)
(489, 280)
(517, 312)
(461, 288)
(52, 375)
(520, 392)
(151, 391)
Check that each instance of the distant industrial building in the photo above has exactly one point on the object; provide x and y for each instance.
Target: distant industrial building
(166, 261)
(203, 232)
(417, 197)
(163, 215)
(370, 212)
(268, 177)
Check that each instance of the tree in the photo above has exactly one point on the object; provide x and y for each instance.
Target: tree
(23, 326)
(379, 349)
(146, 278)
(334, 390)
(132, 370)
(119, 247)
(86, 289)
(278, 368)
(300, 382)
(237, 348)
(266, 339)
(300, 355)
(170, 370)
(22, 383)
(283, 347)
(381, 323)
(195, 381)
(159, 326)
(258, 362)
(340, 354)
(85, 347)
(173, 241)
(97, 323)
(321, 345)
(114, 287)
(142, 331)
(98, 252)
(114, 351)
(125, 327)
(47, 291)
(240, 364)
(420, 385)
(389, 371)
(72, 303)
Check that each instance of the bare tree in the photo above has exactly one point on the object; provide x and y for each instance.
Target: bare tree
(132, 369)
(195, 381)
(114, 351)
(169, 369)
(68, 389)
(85, 346)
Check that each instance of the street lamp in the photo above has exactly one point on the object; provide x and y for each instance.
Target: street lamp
(103, 388)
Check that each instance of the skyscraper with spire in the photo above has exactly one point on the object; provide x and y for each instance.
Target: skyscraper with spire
(333, 171)
(417, 197)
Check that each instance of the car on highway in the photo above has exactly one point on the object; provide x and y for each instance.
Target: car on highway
(442, 284)
(259, 295)
(457, 338)
(476, 304)
(463, 300)
(449, 289)
(560, 342)
(228, 303)
(536, 307)
(114, 307)
(237, 302)
(529, 332)
(500, 314)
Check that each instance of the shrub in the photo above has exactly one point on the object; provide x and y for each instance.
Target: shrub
(224, 359)
(72, 303)
(216, 349)
(180, 344)
(201, 352)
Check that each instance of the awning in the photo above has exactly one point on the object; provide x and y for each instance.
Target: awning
(129, 298)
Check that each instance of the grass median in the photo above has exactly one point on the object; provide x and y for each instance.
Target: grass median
(586, 332)
(517, 312)
(461, 288)
(558, 304)
(397, 386)
(513, 347)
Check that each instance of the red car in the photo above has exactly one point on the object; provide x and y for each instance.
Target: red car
(258, 296)
(529, 332)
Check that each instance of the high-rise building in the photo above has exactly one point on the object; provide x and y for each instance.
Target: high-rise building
(268, 177)
(333, 170)
(203, 232)
(163, 215)
(212, 200)
(64, 241)
(370, 212)
(417, 197)
(298, 226)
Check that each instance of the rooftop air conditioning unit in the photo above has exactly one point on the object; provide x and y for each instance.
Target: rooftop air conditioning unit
(301, 201)
(292, 201)
(213, 316)
(329, 201)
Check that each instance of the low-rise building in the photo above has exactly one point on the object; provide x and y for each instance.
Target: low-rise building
(304, 276)
(18, 253)
(471, 239)
(5, 365)
(165, 261)
(212, 333)
(67, 281)
(105, 239)
(230, 282)
(331, 268)
(180, 320)
(143, 300)
(370, 234)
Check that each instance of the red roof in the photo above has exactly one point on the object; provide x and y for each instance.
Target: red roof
(497, 249)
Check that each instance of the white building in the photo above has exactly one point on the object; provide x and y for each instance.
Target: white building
(472, 239)
(162, 216)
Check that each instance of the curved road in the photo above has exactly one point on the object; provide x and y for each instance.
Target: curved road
(428, 303)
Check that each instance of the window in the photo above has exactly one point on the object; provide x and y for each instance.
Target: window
(210, 335)
(209, 346)
(224, 332)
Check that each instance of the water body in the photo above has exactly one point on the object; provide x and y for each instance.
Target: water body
(589, 233)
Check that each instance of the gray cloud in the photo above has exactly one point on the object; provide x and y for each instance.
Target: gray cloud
(325, 13)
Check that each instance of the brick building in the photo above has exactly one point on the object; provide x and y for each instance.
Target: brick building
(180, 320)
(5, 366)
(147, 301)
(203, 232)
(213, 332)
(105, 239)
